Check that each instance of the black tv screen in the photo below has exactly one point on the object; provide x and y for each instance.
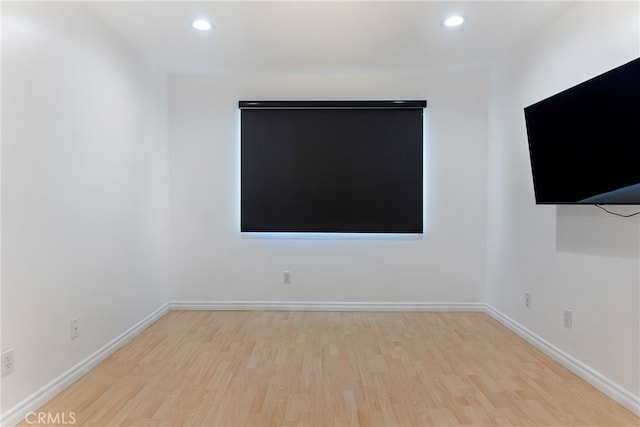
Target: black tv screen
(331, 166)
(584, 142)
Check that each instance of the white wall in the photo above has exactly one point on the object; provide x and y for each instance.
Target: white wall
(576, 257)
(211, 261)
(83, 190)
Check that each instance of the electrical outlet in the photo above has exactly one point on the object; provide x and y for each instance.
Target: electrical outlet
(7, 362)
(286, 277)
(568, 318)
(527, 300)
(75, 328)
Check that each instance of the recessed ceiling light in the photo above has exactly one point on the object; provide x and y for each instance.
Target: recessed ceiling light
(202, 25)
(453, 21)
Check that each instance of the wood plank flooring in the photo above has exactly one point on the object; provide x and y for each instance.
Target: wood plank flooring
(250, 368)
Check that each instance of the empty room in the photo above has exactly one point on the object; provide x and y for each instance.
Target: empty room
(323, 213)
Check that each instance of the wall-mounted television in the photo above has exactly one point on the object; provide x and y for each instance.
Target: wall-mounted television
(584, 142)
(331, 166)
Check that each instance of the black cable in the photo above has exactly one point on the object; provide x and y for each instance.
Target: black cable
(617, 214)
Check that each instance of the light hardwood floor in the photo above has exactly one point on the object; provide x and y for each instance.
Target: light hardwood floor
(208, 368)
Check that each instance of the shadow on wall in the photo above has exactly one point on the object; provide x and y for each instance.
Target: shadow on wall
(589, 230)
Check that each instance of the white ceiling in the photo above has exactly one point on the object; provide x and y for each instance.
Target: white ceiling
(324, 35)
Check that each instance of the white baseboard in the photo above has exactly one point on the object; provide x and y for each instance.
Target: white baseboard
(40, 397)
(596, 379)
(324, 306)
(599, 381)
(16, 414)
